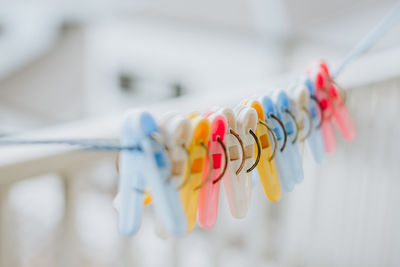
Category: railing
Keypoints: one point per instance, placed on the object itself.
(344, 213)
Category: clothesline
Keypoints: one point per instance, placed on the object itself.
(372, 38)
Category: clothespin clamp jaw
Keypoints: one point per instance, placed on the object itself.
(209, 193)
(198, 151)
(266, 167)
(287, 114)
(134, 166)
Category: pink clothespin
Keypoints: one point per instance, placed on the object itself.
(325, 104)
(209, 192)
(333, 106)
(341, 115)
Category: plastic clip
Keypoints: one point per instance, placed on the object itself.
(333, 105)
(150, 166)
(266, 168)
(194, 170)
(209, 193)
(282, 165)
(237, 181)
(177, 132)
(341, 115)
(326, 106)
(287, 114)
(315, 140)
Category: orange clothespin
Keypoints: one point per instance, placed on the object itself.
(197, 151)
(266, 167)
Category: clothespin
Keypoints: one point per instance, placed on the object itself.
(209, 192)
(240, 143)
(286, 113)
(325, 103)
(283, 166)
(266, 166)
(341, 115)
(315, 139)
(149, 166)
(198, 152)
(299, 96)
(177, 131)
(333, 106)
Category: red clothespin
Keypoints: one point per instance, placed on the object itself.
(332, 103)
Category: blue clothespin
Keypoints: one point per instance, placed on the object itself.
(283, 166)
(292, 154)
(315, 140)
(148, 166)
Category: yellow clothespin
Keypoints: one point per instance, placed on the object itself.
(266, 167)
(197, 151)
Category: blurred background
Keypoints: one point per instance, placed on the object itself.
(67, 62)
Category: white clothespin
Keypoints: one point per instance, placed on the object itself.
(312, 129)
(238, 183)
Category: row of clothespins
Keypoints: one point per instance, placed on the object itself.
(182, 160)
